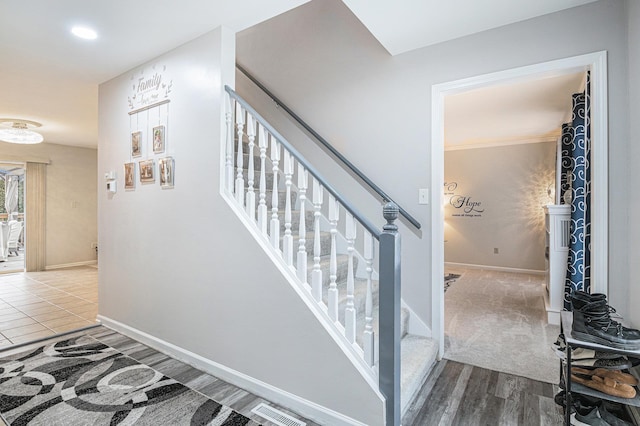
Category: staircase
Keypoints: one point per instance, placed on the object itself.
(325, 243)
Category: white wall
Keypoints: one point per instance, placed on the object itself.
(179, 265)
(376, 109)
(71, 199)
(633, 255)
(494, 199)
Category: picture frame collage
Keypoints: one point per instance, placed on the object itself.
(147, 167)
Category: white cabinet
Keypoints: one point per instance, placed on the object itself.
(557, 234)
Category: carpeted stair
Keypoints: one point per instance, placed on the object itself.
(418, 354)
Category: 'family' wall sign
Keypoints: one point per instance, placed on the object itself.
(149, 88)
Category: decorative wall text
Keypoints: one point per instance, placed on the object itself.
(149, 87)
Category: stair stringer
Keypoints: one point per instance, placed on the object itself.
(416, 325)
(334, 329)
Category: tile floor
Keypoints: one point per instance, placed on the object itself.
(13, 263)
(40, 304)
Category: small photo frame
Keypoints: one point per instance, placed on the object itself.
(146, 171)
(129, 175)
(136, 144)
(158, 139)
(166, 172)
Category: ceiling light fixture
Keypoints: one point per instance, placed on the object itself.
(84, 32)
(14, 130)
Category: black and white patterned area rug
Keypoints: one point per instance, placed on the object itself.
(450, 279)
(80, 381)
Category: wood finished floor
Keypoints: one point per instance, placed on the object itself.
(454, 393)
(212, 387)
(461, 394)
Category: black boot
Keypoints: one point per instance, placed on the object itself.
(592, 323)
(580, 298)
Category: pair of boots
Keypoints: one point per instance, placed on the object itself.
(592, 323)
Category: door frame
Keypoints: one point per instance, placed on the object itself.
(596, 63)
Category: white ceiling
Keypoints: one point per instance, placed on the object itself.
(522, 112)
(401, 26)
(48, 75)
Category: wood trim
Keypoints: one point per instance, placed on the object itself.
(148, 107)
(21, 159)
(495, 268)
(35, 213)
(71, 265)
(597, 63)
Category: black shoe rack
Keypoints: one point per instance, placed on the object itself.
(565, 368)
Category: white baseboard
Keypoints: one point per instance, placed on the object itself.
(494, 268)
(553, 315)
(71, 265)
(308, 409)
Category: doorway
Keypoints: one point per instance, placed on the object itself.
(596, 63)
(12, 217)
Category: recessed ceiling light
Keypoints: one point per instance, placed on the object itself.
(84, 32)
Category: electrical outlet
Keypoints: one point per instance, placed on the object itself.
(496, 251)
(94, 245)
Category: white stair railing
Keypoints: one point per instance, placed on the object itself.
(340, 228)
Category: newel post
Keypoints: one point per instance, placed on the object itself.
(389, 368)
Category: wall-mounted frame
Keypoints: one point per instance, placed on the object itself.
(158, 139)
(166, 167)
(146, 170)
(136, 144)
(129, 175)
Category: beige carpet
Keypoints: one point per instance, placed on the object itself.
(497, 320)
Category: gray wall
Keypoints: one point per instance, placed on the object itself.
(510, 183)
(71, 218)
(633, 255)
(179, 265)
(376, 109)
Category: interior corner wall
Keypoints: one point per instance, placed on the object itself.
(376, 108)
(493, 200)
(71, 199)
(633, 254)
(179, 265)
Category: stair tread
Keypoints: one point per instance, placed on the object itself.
(418, 355)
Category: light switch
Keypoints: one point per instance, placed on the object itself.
(423, 196)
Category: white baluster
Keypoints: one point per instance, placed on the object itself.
(240, 159)
(251, 195)
(229, 150)
(275, 221)
(302, 228)
(368, 341)
(333, 262)
(350, 310)
(316, 275)
(262, 204)
(287, 241)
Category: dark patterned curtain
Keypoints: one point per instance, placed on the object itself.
(576, 143)
(566, 163)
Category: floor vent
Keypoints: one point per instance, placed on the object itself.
(276, 416)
